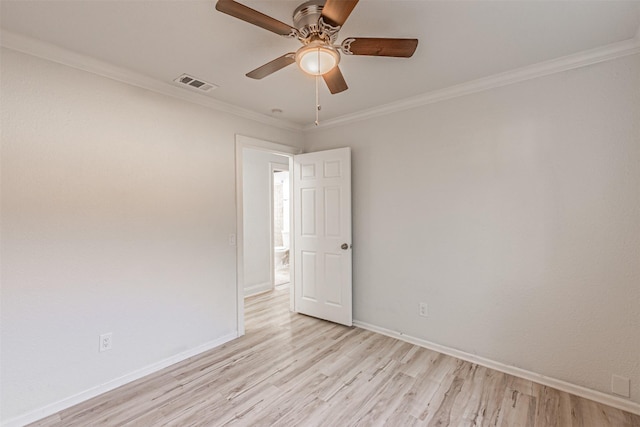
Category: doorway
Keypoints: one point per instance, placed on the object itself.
(255, 239)
(320, 261)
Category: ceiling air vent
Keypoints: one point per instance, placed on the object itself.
(201, 85)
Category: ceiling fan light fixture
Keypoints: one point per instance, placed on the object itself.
(317, 58)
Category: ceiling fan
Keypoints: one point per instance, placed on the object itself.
(316, 26)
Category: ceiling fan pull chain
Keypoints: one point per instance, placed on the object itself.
(317, 122)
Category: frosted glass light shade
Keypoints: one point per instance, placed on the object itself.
(317, 59)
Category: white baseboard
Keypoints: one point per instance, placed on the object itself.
(587, 393)
(70, 401)
(257, 289)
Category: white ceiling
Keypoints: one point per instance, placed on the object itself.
(460, 41)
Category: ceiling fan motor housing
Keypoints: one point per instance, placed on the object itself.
(307, 18)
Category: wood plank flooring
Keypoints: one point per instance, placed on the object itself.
(294, 370)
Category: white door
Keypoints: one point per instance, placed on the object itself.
(322, 237)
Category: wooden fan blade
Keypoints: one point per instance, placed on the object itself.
(399, 48)
(273, 66)
(254, 17)
(335, 81)
(336, 12)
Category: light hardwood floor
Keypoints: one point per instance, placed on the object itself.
(293, 370)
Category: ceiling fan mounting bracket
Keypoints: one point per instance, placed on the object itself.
(294, 34)
(328, 31)
(345, 47)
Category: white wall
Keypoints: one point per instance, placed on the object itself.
(257, 218)
(515, 214)
(117, 205)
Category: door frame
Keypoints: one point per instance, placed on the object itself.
(243, 142)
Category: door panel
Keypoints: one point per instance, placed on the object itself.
(322, 206)
(308, 212)
(308, 270)
(332, 212)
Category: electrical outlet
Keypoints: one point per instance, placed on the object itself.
(620, 385)
(232, 239)
(106, 341)
(423, 309)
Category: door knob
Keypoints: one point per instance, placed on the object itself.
(344, 246)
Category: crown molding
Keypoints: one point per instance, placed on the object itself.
(570, 62)
(66, 57)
